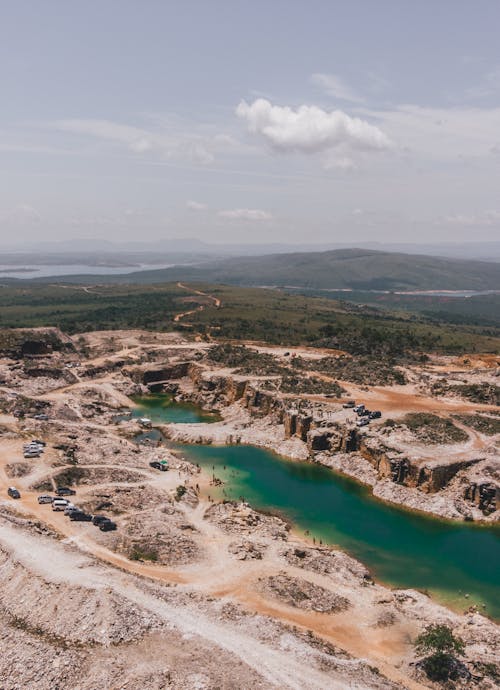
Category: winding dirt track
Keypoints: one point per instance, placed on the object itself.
(201, 307)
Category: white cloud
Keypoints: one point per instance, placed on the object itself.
(489, 218)
(21, 215)
(334, 86)
(196, 206)
(489, 85)
(309, 129)
(161, 139)
(245, 214)
(344, 163)
(135, 138)
(441, 133)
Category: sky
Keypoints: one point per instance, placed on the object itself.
(263, 121)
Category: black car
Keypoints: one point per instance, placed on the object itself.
(80, 516)
(13, 492)
(107, 526)
(99, 519)
(162, 466)
(376, 414)
(65, 491)
(364, 413)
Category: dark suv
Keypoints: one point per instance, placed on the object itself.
(13, 492)
(107, 526)
(65, 491)
(99, 519)
(80, 516)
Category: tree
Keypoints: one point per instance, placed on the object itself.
(442, 647)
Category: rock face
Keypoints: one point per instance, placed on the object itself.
(25, 342)
(428, 477)
(155, 373)
(483, 495)
(325, 429)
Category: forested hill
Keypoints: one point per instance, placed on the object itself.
(361, 269)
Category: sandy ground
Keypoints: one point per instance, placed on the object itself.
(186, 597)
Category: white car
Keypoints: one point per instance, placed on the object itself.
(45, 498)
(59, 504)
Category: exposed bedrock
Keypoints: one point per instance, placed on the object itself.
(484, 495)
(26, 342)
(429, 477)
(314, 427)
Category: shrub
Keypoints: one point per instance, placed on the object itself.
(441, 663)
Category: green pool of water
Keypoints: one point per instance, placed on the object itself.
(160, 407)
(399, 547)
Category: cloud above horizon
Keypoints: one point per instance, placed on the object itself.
(253, 214)
(309, 129)
(334, 86)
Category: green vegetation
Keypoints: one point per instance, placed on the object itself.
(442, 647)
(179, 492)
(362, 269)
(429, 428)
(485, 393)
(485, 425)
(477, 310)
(77, 309)
(142, 553)
(364, 370)
(310, 385)
(271, 316)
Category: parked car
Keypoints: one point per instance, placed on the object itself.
(59, 504)
(363, 421)
(45, 498)
(349, 404)
(107, 526)
(28, 454)
(376, 414)
(65, 491)
(99, 519)
(41, 417)
(358, 408)
(364, 413)
(13, 492)
(80, 516)
(70, 508)
(157, 465)
(38, 442)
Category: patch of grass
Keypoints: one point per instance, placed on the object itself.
(142, 553)
(485, 393)
(485, 425)
(429, 428)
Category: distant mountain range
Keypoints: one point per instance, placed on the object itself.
(361, 269)
(164, 251)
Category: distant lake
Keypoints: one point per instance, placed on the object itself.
(30, 272)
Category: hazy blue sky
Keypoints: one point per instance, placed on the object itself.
(276, 120)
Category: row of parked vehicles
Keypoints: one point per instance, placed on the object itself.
(365, 415)
(72, 511)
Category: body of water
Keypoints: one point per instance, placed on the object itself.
(402, 548)
(162, 408)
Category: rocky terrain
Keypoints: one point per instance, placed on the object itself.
(188, 593)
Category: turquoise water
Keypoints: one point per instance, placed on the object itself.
(161, 408)
(399, 547)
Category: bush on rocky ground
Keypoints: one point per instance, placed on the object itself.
(428, 428)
